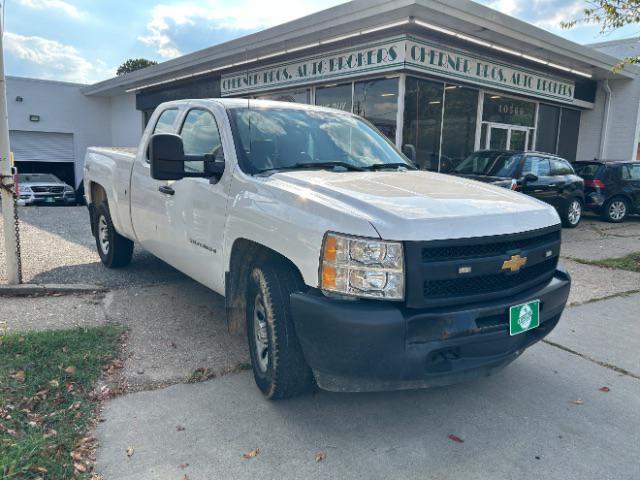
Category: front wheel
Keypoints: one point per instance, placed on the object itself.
(615, 210)
(279, 368)
(115, 250)
(572, 214)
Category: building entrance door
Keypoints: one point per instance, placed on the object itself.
(506, 137)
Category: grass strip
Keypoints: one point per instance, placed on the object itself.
(629, 262)
(47, 402)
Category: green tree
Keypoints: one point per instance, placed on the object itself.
(610, 15)
(134, 64)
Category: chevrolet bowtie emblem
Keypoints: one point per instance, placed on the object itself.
(515, 263)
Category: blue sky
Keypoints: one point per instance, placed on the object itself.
(86, 40)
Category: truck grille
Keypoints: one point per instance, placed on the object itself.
(456, 272)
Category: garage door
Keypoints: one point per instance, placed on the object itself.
(41, 146)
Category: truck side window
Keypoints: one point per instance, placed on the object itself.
(539, 166)
(200, 136)
(164, 124)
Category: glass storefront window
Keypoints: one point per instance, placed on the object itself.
(377, 101)
(508, 111)
(423, 120)
(295, 96)
(458, 125)
(569, 130)
(548, 122)
(335, 96)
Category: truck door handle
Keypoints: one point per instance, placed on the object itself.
(166, 189)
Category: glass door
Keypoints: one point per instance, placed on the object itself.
(503, 137)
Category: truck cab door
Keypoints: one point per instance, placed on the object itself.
(148, 213)
(197, 207)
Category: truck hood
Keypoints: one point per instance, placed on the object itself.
(418, 205)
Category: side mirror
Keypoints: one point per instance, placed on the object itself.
(410, 152)
(166, 154)
(530, 177)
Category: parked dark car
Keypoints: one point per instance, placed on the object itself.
(547, 177)
(612, 189)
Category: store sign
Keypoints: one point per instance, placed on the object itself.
(405, 52)
(345, 63)
(464, 66)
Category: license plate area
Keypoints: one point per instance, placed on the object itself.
(524, 317)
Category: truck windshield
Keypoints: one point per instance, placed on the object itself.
(494, 164)
(271, 139)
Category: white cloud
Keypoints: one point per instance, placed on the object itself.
(61, 5)
(557, 15)
(238, 15)
(508, 7)
(55, 60)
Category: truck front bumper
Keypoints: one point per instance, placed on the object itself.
(355, 346)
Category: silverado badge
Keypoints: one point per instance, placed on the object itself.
(515, 263)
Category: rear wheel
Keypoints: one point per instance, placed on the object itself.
(572, 214)
(115, 250)
(279, 368)
(615, 210)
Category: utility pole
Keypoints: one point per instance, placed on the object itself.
(8, 205)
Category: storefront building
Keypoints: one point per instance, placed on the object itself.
(441, 78)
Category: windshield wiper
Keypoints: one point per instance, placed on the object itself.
(380, 166)
(300, 166)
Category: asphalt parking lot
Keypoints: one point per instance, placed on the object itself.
(543, 417)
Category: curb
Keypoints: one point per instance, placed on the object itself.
(44, 289)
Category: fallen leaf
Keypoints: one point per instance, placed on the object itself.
(183, 465)
(70, 370)
(129, 451)
(54, 383)
(455, 438)
(252, 453)
(81, 467)
(76, 455)
(173, 344)
(320, 456)
(19, 375)
(180, 428)
(185, 477)
(578, 402)
(38, 469)
(605, 389)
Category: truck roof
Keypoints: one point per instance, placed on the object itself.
(244, 102)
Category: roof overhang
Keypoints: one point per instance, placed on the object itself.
(463, 19)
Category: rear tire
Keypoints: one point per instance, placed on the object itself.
(115, 250)
(279, 367)
(615, 210)
(572, 214)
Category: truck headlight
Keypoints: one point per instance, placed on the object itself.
(23, 189)
(362, 267)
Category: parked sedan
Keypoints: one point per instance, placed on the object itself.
(612, 189)
(543, 176)
(44, 188)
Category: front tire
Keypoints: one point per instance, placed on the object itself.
(279, 368)
(615, 210)
(115, 250)
(572, 214)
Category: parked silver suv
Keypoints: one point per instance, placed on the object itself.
(44, 188)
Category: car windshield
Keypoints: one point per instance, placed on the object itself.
(37, 178)
(587, 170)
(495, 164)
(271, 139)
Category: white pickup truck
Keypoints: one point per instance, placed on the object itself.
(345, 266)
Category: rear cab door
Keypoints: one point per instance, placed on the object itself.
(148, 213)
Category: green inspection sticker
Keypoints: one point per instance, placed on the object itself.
(524, 317)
